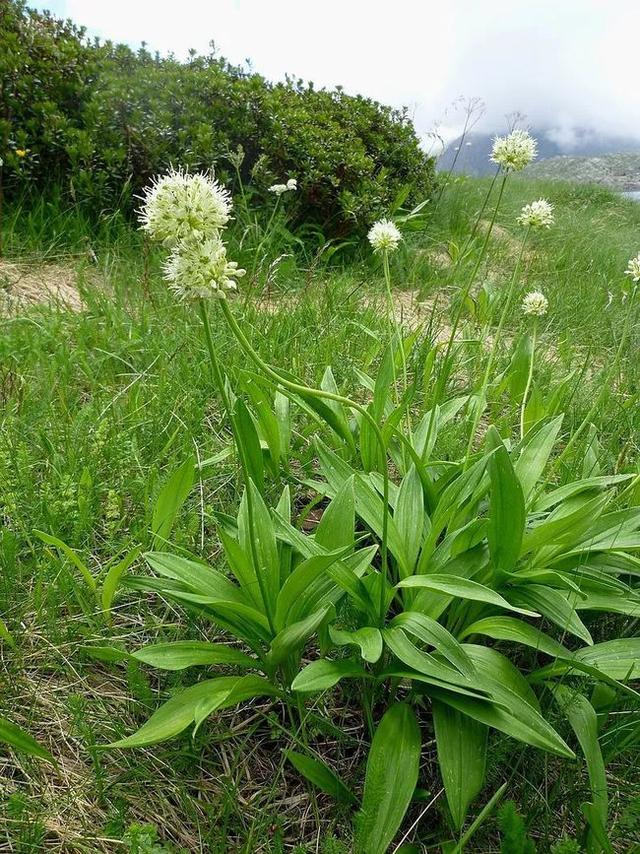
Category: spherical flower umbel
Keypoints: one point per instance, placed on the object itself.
(535, 303)
(633, 270)
(537, 214)
(515, 151)
(199, 269)
(384, 236)
(178, 206)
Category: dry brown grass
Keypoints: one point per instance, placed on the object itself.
(27, 283)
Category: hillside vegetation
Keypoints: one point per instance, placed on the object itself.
(95, 121)
(104, 405)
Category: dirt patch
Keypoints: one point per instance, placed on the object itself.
(411, 311)
(23, 284)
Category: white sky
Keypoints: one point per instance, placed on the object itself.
(563, 63)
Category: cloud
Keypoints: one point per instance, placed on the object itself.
(566, 65)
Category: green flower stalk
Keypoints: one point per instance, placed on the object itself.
(302, 390)
(385, 238)
(536, 305)
(479, 407)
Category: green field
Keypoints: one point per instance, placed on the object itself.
(103, 403)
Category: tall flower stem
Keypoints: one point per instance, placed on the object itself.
(300, 389)
(478, 409)
(468, 286)
(527, 387)
(265, 235)
(604, 388)
(444, 372)
(395, 328)
(224, 395)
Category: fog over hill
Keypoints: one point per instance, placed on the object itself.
(470, 155)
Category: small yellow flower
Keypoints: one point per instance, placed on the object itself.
(21, 152)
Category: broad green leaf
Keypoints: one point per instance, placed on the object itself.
(463, 588)
(506, 513)
(619, 658)
(390, 779)
(248, 441)
(323, 674)
(409, 518)
(6, 635)
(462, 749)
(512, 629)
(368, 639)
(293, 637)
(268, 569)
(113, 576)
(182, 654)
(241, 566)
(243, 620)
(562, 493)
(423, 662)
(337, 525)
(555, 605)
(69, 553)
(321, 776)
(244, 688)
(565, 525)
(197, 577)
(305, 586)
(265, 417)
(20, 740)
(597, 830)
(177, 713)
(518, 370)
(171, 498)
(535, 453)
(430, 631)
(531, 729)
(584, 722)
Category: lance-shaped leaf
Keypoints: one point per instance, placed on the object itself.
(462, 750)
(506, 512)
(390, 780)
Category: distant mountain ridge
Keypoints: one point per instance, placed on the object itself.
(616, 171)
(471, 155)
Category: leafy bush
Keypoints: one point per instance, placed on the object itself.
(103, 119)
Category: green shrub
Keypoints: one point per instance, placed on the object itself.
(101, 119)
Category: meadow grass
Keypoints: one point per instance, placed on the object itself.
(100, 406)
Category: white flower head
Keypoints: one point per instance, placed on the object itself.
(537, 214)
(278, 189)
(515, 151)
(535, 303)
(384, 236)
(199, 269)
(633, 270)
(292, 184)
(178, 206)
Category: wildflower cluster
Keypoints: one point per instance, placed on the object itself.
(537, 214)
(186, 213)
(633, 269)
(384, 236)
(535, 303)
(279, 189)
(515, 151)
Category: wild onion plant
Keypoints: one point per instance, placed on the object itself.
(426, 577)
